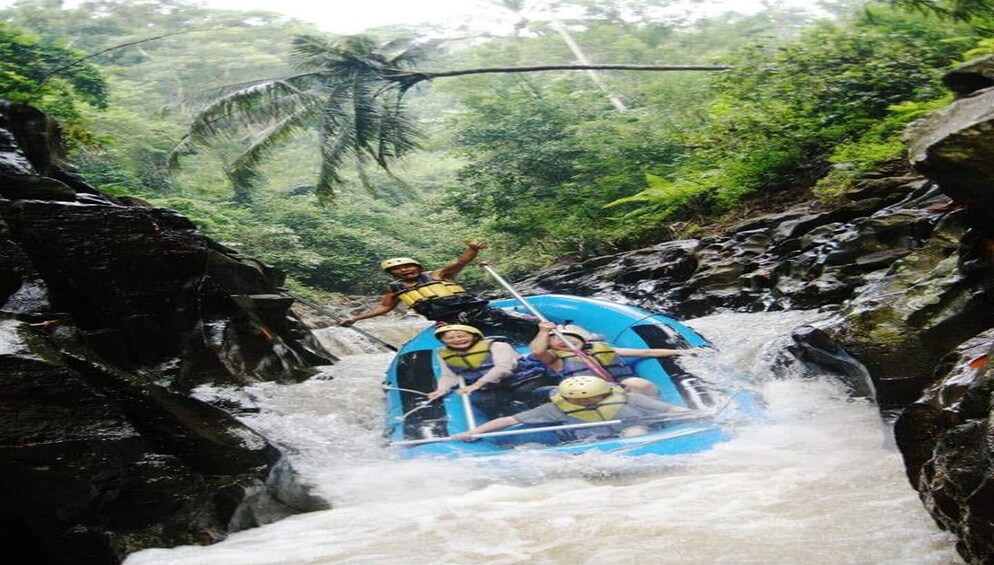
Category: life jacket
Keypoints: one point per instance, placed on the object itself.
(471, 363)
(528, 369)
(600, 352)
(603, 411)
(428, 287)
(474, 362)
(434, 298)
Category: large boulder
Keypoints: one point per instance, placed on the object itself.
(953, 147)
(922, 307)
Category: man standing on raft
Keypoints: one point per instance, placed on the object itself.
(436, 296)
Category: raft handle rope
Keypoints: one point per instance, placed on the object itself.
(423, 404)
(679, 418)
(411, 390)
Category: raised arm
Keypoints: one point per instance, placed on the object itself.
(388, 303)
(472, 250)
(539, 345)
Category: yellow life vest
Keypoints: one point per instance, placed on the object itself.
(603, 411)
(600, 352)
(429, 287)
(473, 357)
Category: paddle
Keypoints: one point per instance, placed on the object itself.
(678, 418)
(590, 362)
(467, 405)
(327, 313)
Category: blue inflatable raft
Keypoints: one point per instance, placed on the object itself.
(423, 429)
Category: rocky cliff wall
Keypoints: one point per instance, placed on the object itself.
(110, 311)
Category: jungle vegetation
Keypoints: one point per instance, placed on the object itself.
(546, 166)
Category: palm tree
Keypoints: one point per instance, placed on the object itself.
(352, 92)
(341, 91)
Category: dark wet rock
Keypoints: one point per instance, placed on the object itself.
(99, 463)
(947, 442)
(800, 258)
(901, 324)
(971, 76)
(952, 147)
(814, 352)
(34, 188)
(111, 311)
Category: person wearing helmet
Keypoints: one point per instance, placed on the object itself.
(563, 360)
(587, 399)
(436, 296)
(487, 367)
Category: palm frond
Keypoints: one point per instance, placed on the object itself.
(351, 89)
(252, 104)
(267, 139)
(338, 140)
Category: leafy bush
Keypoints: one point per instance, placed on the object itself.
(50, 78)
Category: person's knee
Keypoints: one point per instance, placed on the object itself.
(640, 386)
(634, 431)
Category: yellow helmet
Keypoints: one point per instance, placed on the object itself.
(388, 264)
(583, 387)
(470, 329)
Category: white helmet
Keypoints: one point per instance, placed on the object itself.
(574, 330)
(388, 264)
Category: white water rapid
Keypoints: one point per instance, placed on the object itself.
(818, 481)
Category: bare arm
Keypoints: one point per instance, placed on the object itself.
(388, 303)
(449, 271)
(491, 426)
(539, 345)
(446, 381)
(629, 352)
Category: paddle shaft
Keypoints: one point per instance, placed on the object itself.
(555, 428)
(591, 363)
(327, 313)
(467, 406)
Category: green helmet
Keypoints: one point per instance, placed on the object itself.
(583, 386)
(388, 264)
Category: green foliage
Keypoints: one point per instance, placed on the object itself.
(45, 75)
(977, 12)
(984, 47)
(547, 156)
(781, 117)
(540, 166)
(878, 146)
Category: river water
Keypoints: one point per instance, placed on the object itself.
(817, 481)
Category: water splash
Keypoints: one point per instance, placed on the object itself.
(816, 482)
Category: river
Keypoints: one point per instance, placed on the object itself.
(816, 481)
